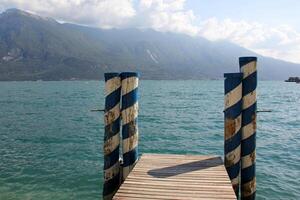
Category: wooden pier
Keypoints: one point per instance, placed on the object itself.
(167, 176)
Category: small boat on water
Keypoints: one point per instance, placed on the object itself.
(293, 79)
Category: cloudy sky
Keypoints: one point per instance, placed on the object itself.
(268, 27)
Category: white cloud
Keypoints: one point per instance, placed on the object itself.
(161, 15)
(101, 13)
(166, 15)
(281, 42)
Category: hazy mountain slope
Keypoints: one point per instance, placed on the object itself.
(33, 47)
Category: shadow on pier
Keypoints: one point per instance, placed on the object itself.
(185, 168)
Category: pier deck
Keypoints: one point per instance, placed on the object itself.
(167, 176)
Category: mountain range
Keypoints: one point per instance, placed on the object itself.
(40, 48)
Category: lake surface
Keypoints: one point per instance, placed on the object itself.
(51, 144)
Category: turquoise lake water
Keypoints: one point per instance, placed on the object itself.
(51, 144)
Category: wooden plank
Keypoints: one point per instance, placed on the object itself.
(168, 176)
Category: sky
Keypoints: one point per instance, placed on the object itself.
(268, 27)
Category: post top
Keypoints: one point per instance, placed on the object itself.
(233, 75)
(129, 74)
(247, 59)
(111, 75)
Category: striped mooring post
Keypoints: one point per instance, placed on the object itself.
(129, 112)
(232, 127)
(248, 143)
(111, 145)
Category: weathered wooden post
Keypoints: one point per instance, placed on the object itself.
(129, 121)
(248, 144)
(112, 135)
(232, 127)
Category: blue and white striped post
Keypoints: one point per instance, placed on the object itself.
(111, 145)
(248, 144)
(232, 127)
(129, 114)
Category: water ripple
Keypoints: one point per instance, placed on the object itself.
(51, 145)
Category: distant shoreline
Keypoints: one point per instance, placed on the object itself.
(75, 79)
